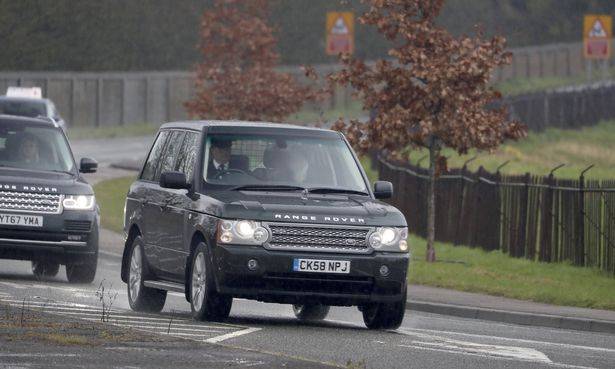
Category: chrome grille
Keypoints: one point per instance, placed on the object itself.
(318, 238)
(30, 202)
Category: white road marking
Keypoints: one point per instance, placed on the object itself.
(521, 353)
(225, 337)
(411, 332)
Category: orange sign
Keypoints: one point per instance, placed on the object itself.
(597, 35)
(340, 33)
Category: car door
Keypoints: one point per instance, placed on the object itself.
(178, 201)
(170, 220)
(149, 198)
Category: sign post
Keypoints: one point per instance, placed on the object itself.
(597, 36)
(340, 33)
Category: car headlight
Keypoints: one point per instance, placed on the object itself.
(79, 202)
(389, 239)
(242, 232)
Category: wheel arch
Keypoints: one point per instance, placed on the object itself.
(133, 233)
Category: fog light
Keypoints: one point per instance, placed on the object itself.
(403, 245)
(384, 270)
(252, 264)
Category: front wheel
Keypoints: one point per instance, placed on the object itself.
(42, 268)
(384, 315)
(83, 271)
(142, 298)
(311, 312)
(205, 302)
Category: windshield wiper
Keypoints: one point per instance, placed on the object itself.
(324, 190)
(265, 187)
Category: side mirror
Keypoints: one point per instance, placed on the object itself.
(383, 190)
(174, 180)
(88, 165)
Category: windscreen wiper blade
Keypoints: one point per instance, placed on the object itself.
(324, 190)
(265, 187)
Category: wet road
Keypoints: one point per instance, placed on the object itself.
(423, 341)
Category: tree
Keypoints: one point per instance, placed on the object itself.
(434, 92)
(237, 79)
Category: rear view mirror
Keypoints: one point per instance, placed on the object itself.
(88, 165)
(383, 190)
(174, 180)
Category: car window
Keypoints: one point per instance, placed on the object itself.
(26, 108)
(149, 170)
(34, 147)
(170, 152)
(187, 155)
(236, 160)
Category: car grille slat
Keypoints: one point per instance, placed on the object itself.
(77, 225)
(318, 238)
(30, 202)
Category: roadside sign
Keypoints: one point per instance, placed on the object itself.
(340, 33)
(597, 35)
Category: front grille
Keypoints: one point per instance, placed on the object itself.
(318, 238)
(30, 202)
(77, 225)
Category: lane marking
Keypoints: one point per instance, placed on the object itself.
(228, 336)
(409, 332)
(521, 353)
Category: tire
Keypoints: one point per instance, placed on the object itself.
(384, 315)
(42, 268)
(142, 298)
(311, 312)
(83, 271)
(205, 302)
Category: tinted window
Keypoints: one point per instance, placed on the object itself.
(170, 152)
(34, 147)
(187, 155)
(26, 108)
(149, 170)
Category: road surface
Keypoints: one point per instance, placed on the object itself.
(423, 341)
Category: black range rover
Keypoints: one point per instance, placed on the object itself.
(271, 212)
(48, 213)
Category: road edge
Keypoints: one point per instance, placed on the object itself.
(513, 317)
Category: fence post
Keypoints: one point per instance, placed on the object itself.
(520, 249)
(546, 241)
(581, 253)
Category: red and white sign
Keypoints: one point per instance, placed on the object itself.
(597, 36)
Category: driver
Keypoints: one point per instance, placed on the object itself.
(219, 158)
(29, 151)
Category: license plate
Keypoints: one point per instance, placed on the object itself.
(21, 220)
(321, 266)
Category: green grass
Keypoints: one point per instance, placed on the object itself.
(137, 129)
(111, 195)
(520, 86)
(494, 273)
(541, 152)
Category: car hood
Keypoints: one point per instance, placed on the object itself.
(22, 180)
(293, 207)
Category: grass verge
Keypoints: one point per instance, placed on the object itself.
(111, 196)
(495, 273)
(541, 152)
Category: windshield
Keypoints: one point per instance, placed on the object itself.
(34, 147)
(270, 160)
(24, 108)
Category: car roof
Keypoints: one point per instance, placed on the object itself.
(17, 119)
(201, 124)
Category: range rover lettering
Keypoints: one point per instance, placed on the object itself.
(48, 213)
(270, 212)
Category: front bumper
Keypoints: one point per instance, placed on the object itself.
(275, 281)
(63, 238)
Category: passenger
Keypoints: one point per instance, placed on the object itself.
(29, 151)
